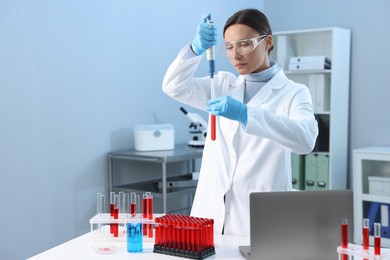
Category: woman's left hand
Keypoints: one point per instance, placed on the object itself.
(228, 107)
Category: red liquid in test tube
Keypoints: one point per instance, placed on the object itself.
(116, 215)
(366, 235)
(112, 205)
(344, 237)
(133, 203)
(213, 127)
(150, 213)
(144, 213)
(377, 238)
(116, 228)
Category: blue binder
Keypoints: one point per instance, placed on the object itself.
(373, 215)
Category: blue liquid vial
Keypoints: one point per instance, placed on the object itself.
(134, 237)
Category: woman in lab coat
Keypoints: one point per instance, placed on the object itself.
(262, 117)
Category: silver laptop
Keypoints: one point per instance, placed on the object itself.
(298, 225)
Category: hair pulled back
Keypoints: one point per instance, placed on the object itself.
(252, 18)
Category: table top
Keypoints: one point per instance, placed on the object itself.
(226, 247)
(181, 152)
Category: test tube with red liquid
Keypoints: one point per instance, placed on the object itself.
(377, 238)
(366, 234)
(112, 194)
(344, 237)
(133, 203)
(213, 126)
(116, 215)
(211, 61)
(112, 205)
(144, 213)
(150, 213)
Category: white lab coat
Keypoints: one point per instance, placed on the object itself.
(244, 159)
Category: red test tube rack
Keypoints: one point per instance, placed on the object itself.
(184, 236)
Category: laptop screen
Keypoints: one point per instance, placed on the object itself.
(304, 225)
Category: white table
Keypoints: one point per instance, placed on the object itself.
(226, 247)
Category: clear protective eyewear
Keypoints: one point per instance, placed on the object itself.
(242, 47)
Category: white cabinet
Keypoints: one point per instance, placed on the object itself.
(371, 187)
(330, 94)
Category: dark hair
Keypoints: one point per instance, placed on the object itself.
(252, 18)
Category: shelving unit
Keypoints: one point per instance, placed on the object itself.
(332, 113)
(371, 186)
(181, 153)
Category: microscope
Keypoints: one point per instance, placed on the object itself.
(198, 128)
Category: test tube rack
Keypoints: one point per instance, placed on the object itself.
(102, 238)
(357, 252)
(184, 236)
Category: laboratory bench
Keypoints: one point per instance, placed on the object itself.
(226, 247)
(163, 188)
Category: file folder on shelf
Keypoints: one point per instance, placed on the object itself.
(322, 172)
(297, 168)
(309, 63)
(310, 59)
(373, 215)
(317, 172)
(310, 172)
(319, 87)
(308, 66)
(385, 232)
(379, 212)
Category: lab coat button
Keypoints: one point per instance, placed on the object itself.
(228, 216)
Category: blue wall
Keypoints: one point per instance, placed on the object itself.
(75, 77)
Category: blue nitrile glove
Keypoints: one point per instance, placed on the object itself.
(228, 107)
(206, 36)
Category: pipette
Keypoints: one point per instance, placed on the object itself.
(211, 61)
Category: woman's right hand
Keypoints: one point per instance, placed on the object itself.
(206, 36)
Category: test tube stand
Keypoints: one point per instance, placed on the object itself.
(353, 251)
(184, 236)
(103, 241)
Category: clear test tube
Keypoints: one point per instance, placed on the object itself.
(100, 207)
(121, 201)
(138, 205)
(112, 203)
(366, 233)
(377, 238)
(99, 204)
(127, 203)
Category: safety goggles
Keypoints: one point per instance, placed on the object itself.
(242, 47)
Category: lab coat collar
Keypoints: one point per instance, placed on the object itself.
(238, 88)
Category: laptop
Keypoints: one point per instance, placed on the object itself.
(298, 225)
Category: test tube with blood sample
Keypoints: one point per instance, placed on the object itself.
(366, 234)
(150, 213)
(344, 237)
(133, 203)
(377, 238)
